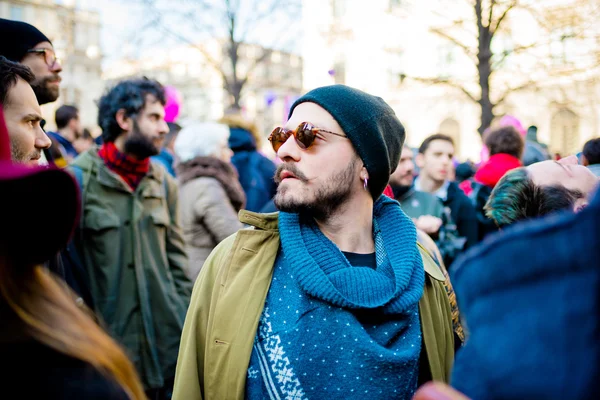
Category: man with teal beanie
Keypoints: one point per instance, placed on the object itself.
(332, 297)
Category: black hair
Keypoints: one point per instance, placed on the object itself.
(174, 129)
(505, 140)
(129, 95)
(516, 197)
(10, 72)
(591, 151)
(437, 136)
(64, 115)
(86, 134)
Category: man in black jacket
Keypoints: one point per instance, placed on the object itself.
(31, 48)
(435, 161)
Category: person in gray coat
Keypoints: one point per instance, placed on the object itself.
(210, 194)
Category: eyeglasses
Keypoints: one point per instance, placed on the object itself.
(49, 56)
(304, 135)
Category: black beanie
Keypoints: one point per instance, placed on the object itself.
(17, 37)
(370, 124)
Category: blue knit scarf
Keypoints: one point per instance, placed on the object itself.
(332, 330)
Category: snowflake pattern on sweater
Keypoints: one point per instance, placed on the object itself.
(306, 349)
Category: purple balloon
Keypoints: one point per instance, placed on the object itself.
(270, 97)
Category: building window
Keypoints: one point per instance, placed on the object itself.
(405, 5)
(339, 72)
(451, 127)
(445, 60)
(276, 57)
(564, 134)
(395, 4)
(16, 13)
(338, 8)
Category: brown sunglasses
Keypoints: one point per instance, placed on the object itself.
(304, 135)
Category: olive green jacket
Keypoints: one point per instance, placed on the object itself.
(228, 300)
(132, 246)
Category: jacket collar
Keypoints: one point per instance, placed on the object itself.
(266, 222)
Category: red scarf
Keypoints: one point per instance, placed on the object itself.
(130, 169)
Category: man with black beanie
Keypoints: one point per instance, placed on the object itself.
(331, 297)
(24, 43)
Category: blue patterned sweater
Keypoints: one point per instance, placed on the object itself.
(336, 331)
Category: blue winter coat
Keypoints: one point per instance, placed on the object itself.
(529, 296)
(256, 171)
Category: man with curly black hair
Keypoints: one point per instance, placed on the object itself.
(131, 241)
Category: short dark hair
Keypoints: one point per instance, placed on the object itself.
(129, 95)
(86, 134)
(64, 115)
(10, 72)
(438, 136)
(591, 151)
(516, 197)
(174, 129)
(505, 140)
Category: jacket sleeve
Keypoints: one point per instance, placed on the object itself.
(468, 226)
(176, 254)
(189, 375)
(216, 212)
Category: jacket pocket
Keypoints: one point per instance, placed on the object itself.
(102, 232)
(100, 220)
(160, 217)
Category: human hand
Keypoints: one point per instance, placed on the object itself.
(428, 224)
(438, 391)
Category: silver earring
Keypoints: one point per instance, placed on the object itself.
(366, 182)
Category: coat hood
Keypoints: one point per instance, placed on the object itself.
(494, 169)
(244, 134)
(241, 139)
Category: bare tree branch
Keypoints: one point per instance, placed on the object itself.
(505, 54)
(466, 49)
(275, 6)
(509, 91)
(495, 28)
(437, 81)
(491, 13)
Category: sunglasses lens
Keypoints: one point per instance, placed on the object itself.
(278, 137)
(305, 135)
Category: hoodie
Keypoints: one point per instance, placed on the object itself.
(256, 171)
(494, 169)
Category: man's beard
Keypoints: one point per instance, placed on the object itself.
(139, 145)
(333, 193)
(43, 92)
(20, 157)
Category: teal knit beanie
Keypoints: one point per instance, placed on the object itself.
(370, 124)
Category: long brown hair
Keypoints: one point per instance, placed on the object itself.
(47, 313)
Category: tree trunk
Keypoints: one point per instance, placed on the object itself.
(484, 69)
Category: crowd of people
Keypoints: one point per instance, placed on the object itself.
(160, 261)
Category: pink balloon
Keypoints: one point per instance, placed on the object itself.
(509, 120)
(173, 105)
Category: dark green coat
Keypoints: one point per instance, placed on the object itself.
(132, 246)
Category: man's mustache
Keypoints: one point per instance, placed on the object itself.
(46, 79)
(290, 167)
